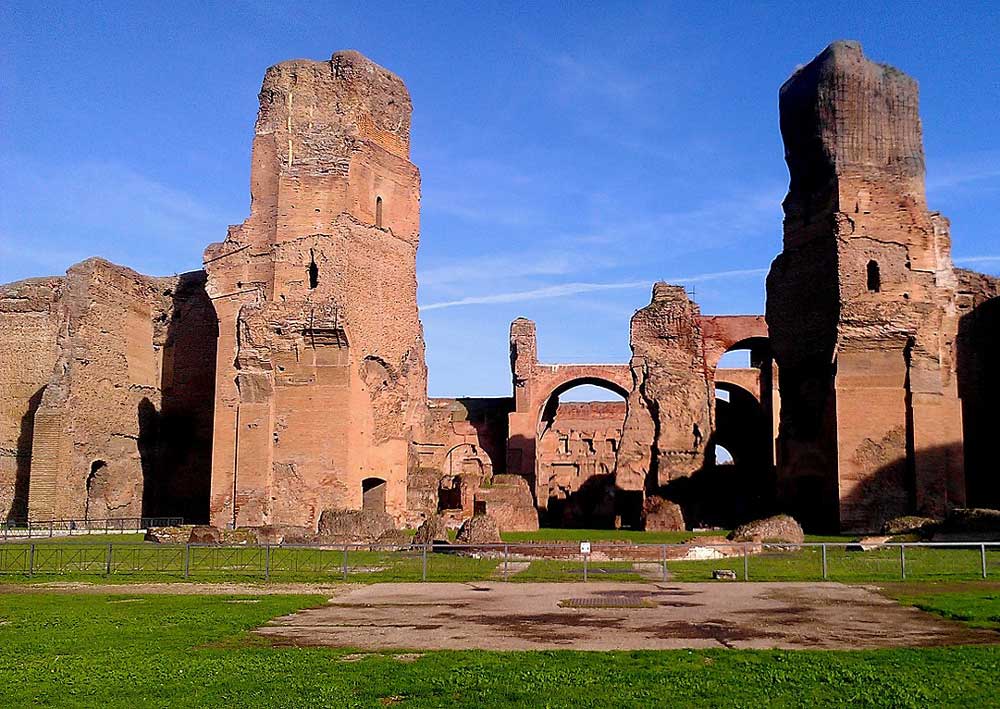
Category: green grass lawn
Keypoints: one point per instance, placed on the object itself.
(162, 562)
(129, 538)
(977, 605)
(554, 534)
(194, 651)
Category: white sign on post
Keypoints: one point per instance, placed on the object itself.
(585, 548)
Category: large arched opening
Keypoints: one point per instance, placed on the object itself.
(740, 471)
(736, 482)
(578, 434)
(979, 389)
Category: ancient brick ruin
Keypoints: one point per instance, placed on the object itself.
(287, 378)
(863, 304)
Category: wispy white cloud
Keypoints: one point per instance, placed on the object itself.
(52, 260)
(475, 269)
(55, 214)
(708, 224)
(602, 78)
(568, 289)
(972, 260)
(613, 239)
(960, 171)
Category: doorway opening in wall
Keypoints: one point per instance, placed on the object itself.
(450, 493)
(373, 495)
(577, 442)
(874, 277)
(93, 483)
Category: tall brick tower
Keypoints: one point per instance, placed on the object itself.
(861, 304)
(321, 377)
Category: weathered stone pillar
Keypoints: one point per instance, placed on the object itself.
(321, 382)
(861, 304)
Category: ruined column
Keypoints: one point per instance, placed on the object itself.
(860, 304)
(523, 420)
(321, 378)
(668, 423)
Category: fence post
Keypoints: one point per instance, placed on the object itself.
(902, 561)
(663, 560)
(50, 529)
(746, 562)
(424, 571)
(267, 562)
(506, 556)
(344, 568)
(824, 562)
(982, 550)
(31, 561)
(107, 561)
(187, 560)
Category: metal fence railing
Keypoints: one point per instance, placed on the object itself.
(75, 527)
(509, 562)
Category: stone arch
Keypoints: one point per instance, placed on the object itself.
(466, 468)
(576, 451)
(741, 425)
(759, 381)
(573, 382)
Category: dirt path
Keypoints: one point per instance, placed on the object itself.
(608, 616)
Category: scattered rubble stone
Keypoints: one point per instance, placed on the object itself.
(205, 534)
(909, 524)
(508, 500)
(354, 525)
(433, 530)
(481, 529)
(169, 535)
(284, 534)
(779, 528)
(663, 515)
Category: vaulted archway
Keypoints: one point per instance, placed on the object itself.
(578, 434)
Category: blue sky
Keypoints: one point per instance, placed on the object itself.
(572, 153)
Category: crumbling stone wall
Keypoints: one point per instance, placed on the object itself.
(97, 448)
(84, 361)
(93, 427)
(669, 419)
(861, 303)
(29, 323)
(463, 449)
(288, 378)
(321, 382)
(186, 329)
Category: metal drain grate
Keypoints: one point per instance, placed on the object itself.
(608, 602)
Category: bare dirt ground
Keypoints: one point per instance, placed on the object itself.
(608, 616)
